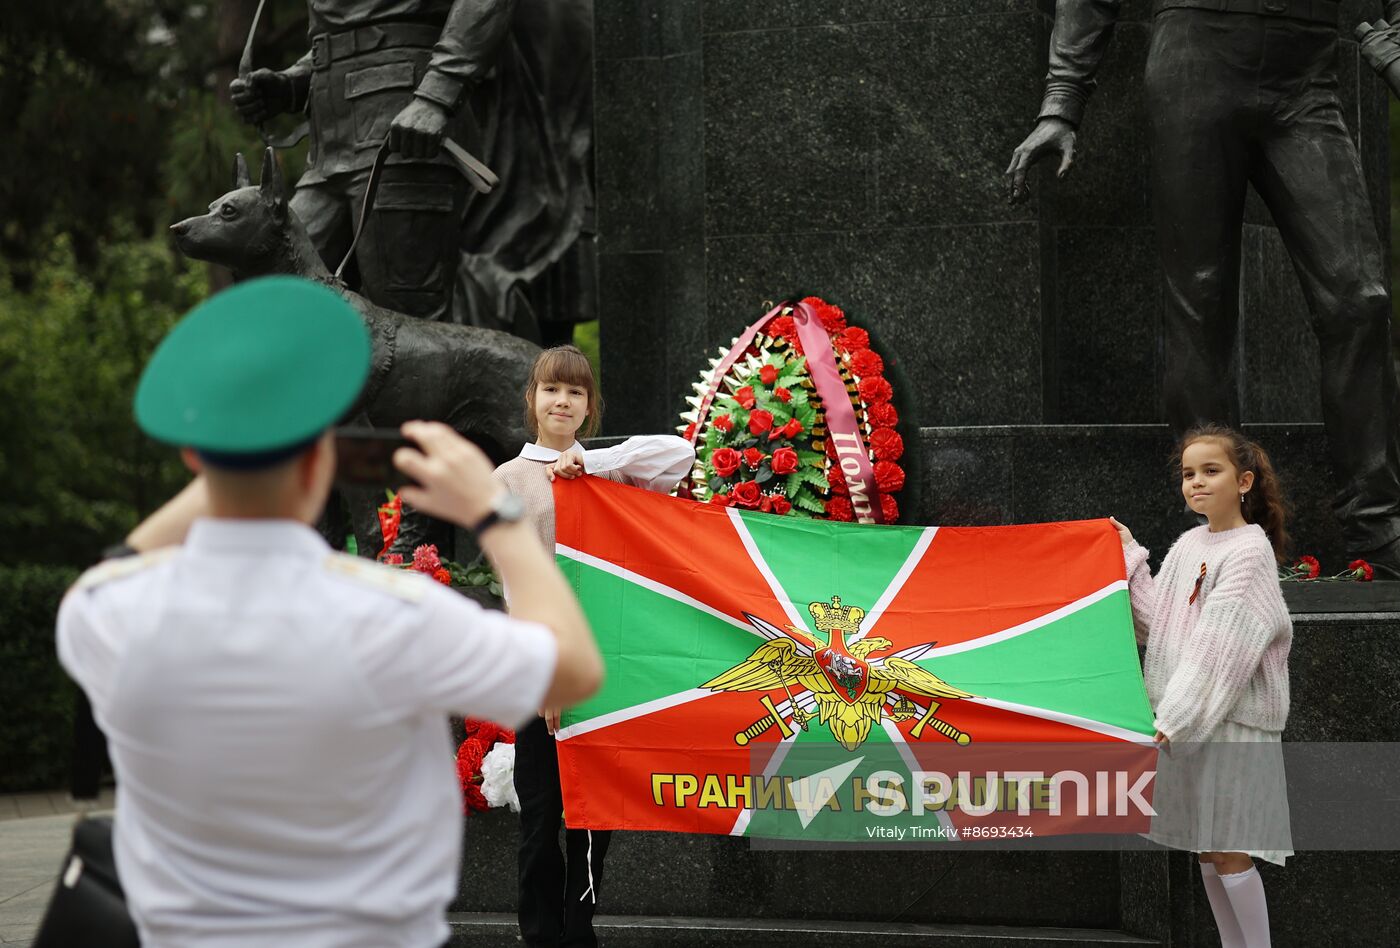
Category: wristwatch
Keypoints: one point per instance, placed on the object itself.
(506, 508)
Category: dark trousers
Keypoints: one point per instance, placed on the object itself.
(1238, 99)
(407, 255)
(558, 891)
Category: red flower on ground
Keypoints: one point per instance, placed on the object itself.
(725, 461)
(889, 508)
(724, 423)
(721, 500)
(784, 461)
(393, 559)
(1309, 565)
(1361, 571)
(866, 364)
(836, 478)
(744, 397)
(426, 559)
(854, 338)
(781, 504)
(886, 444)
(875, 390)
(747, 494)
(768, 374)
(760, 421)
(889, 477)
(753, 458)
(469, 757)
(839, 508)
(390, 515)
(443, 575)
(882, 415)
(782, 394)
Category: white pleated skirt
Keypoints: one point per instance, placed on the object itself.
(1228, 795)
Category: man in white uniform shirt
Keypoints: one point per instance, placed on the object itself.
(276, 712)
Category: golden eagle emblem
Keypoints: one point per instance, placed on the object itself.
(851, 689)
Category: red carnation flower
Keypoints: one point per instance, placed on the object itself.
(836, 478)
(753, 458)
(747, 494)
(830, 448)
(745, 397)
(1309, 565)
(443, 575)
(393, 559)
(784, 461)
(866, 364)
(724, 423)
(1361, 570)
(875, 390)
(889, 508)
(768, 374)
(783, 327)
(882, 415)
(390, 515)
(426, 559)
(725, 461)
(839, 508)
(886, 444)
(760, 421)
(833, 320)
(781, 504)
(689, 431)
(853, 338)
(721, 500)
(889, 477)
(782, 394)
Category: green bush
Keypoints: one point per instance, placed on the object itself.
(36, 696)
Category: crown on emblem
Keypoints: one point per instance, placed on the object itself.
(833, 617)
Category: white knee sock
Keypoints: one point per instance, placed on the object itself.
(1230, 934)
(1245, 891)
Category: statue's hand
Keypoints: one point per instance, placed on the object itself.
(260, 95)
(1377, 46)
(1049, 134)
(417, 131)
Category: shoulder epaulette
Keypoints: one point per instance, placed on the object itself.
(109, 570)
(395, 582)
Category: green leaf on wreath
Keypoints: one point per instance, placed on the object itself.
(807, 415)
(809, 502)
(811, 458)
(764, 475)
(805, 475)
(716, 485)
(799, 399)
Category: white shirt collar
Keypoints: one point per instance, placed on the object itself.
(538, 452)
(212, 535)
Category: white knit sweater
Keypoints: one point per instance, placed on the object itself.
(1225, 656)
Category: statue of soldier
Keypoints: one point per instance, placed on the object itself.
(1245, 92)
(400, 69)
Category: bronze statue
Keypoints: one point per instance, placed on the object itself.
(400, 69)
(1244, 92)
(467, 377)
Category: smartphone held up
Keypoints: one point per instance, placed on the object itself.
(364, 457)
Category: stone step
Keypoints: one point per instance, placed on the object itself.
(726, 877)
(487, 930)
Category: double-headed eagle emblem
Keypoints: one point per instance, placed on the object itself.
(851, 690)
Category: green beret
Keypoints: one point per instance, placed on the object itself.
(262, 366)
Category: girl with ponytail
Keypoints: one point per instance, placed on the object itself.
(1216, 667)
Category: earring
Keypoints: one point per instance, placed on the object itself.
(1242, 493)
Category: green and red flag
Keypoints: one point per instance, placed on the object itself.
(780, 677)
